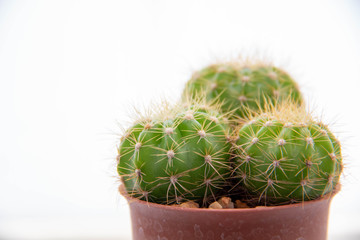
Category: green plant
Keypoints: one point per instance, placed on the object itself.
(181, 153)
(243, 86)
(283, 155)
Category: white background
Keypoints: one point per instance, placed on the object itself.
(70, 70)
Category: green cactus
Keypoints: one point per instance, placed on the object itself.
(283, 155)
(243, 87)
(181, 154)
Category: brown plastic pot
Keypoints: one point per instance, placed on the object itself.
(307, 220)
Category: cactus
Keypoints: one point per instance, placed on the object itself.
(284, 155)
(180, 154)
(243, 87)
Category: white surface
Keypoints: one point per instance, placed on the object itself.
(69, 70)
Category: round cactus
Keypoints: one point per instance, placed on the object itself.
(243, 87)
(183, 154)
(285, 156)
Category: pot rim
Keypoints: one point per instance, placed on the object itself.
(327, 197)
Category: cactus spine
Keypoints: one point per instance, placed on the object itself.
(243, 87)
(283, 155)
(182, 153)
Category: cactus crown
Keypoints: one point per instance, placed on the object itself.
(239, 85)
(286, 111)
(284, 155)
(177, 153)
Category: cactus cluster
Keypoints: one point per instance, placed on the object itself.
(271, 148)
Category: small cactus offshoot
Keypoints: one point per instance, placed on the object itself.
(177, 155)
(243, 86)
(283, 155)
